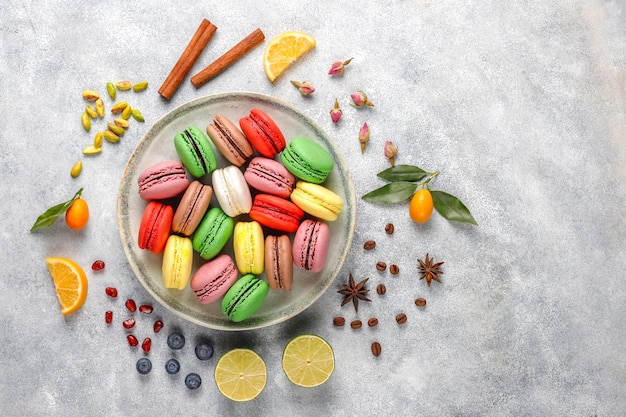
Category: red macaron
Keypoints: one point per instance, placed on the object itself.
(263, 133)
(276, 213)
(155, 226)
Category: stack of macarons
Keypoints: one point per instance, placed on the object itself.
(269, 200)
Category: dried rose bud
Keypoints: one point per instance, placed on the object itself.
(360, 99)
(304, 87)
(364, 136)
(336, 112)
(338, 67)
(391, 151)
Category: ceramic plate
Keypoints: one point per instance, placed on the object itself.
(158, 145)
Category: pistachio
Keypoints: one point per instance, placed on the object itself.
(140, 86)
(91, 95)
(111, 137)
(91, 150)
(97, 141)
(119, 131)
(121, 122)
(91, 111)
(137, 115)
(119, 107)
(76, 169)
(123, 85)
(127, 112)
(111, 90)
(100, 107)
(84, 118)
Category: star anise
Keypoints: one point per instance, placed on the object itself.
(429, 270)
(354, 292)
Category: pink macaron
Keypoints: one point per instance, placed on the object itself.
(164, 180)
(269, 176)
(310, 245)
(214, 278)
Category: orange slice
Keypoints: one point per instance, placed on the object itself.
(70, 282)
(284, 50)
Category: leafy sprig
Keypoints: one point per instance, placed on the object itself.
(49, 216)
(404, 181)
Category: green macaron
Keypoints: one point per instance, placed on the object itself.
(212, 233)
(195, 151)
(244, 297)
(307, 160)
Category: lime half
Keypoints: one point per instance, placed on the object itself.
(240, 374)
(308, 360)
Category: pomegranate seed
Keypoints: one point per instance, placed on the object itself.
(147, 342)
(130, 305)
(97, 265)
(111, 292)
(108, 317)
(145, 308)
(132, 340)
(158, 325)
(129, 323)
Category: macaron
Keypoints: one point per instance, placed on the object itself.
(269, 176)
(310, 245)
(192, 208)
(229, 140)
(164, 180)
(231, 190)
(307, 160)
(249, 247)
(213, 279)
(177, 262)
(195, 151)
(276, 213)
(213, 232)
(317, 200)
(244, 297)
(263, 133)
(278, 262)
(154, 229)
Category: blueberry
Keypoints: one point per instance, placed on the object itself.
(204, 351)
(175, 341)
(144, 366)
(193, 381)
(172, 366)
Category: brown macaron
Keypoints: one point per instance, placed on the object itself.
(192, 208)
(229, 140)
(278, 262)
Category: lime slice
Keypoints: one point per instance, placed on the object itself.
(240, 374)
(308, 360)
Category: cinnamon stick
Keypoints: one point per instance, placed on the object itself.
(190, 55)
(229, 58)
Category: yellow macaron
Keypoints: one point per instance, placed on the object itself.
(177, 262)
(249, 247)
(317, 200)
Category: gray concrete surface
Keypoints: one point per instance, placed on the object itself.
(520, 105)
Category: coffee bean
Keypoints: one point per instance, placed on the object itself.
(394, 269)
(339, 321)
(376, 349)
(401, 318)
(356, 324)
(369, 245)
(381, 289)
(381, 266)
(420, 302)
(389, 228)
(373, 322)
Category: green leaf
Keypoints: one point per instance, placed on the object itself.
(50, 215)
(403, 173)
(452, 208)
(391, 193)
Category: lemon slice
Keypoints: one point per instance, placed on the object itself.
(284, 50)
(70, 282)
(240, 374)
(308, 360)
